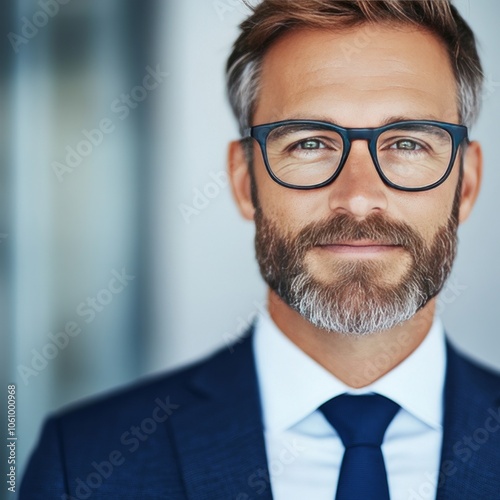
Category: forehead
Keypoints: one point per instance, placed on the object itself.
(358, 77)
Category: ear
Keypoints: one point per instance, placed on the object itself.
(239, 177)
(473, 171)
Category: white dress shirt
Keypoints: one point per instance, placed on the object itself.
(304, 452)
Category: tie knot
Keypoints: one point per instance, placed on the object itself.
(360, 420)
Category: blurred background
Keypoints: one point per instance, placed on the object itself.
(121, 251)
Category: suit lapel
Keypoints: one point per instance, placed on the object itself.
(470, 456)
(219, 434)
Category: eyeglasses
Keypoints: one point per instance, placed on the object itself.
(412, 155)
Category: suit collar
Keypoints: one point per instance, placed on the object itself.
(219, 433)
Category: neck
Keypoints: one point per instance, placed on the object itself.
(355, 360)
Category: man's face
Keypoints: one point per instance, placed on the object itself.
(356, 256)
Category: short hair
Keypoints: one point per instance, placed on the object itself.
(271, 19)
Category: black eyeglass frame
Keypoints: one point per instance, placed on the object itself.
(458, 134)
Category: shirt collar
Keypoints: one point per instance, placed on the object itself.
(293, 385)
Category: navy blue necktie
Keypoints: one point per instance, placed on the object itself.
(361, 422)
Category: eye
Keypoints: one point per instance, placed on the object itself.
(406, 145)
(311, 144)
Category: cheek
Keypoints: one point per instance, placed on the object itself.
(426, 212)
(292, 209)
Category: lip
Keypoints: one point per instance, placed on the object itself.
(360, 247)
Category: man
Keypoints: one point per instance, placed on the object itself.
(355, 165)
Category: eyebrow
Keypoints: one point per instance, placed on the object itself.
(386, 121)
(403, 118)
(280, 132)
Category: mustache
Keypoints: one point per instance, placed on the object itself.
(343, 228)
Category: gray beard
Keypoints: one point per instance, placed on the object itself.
(355, 311)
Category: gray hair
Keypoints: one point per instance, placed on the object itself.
(272, 18)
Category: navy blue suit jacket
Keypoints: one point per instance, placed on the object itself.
(197, 434)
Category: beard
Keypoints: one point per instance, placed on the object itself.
(356, 297)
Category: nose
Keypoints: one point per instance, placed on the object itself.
(358, 189)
